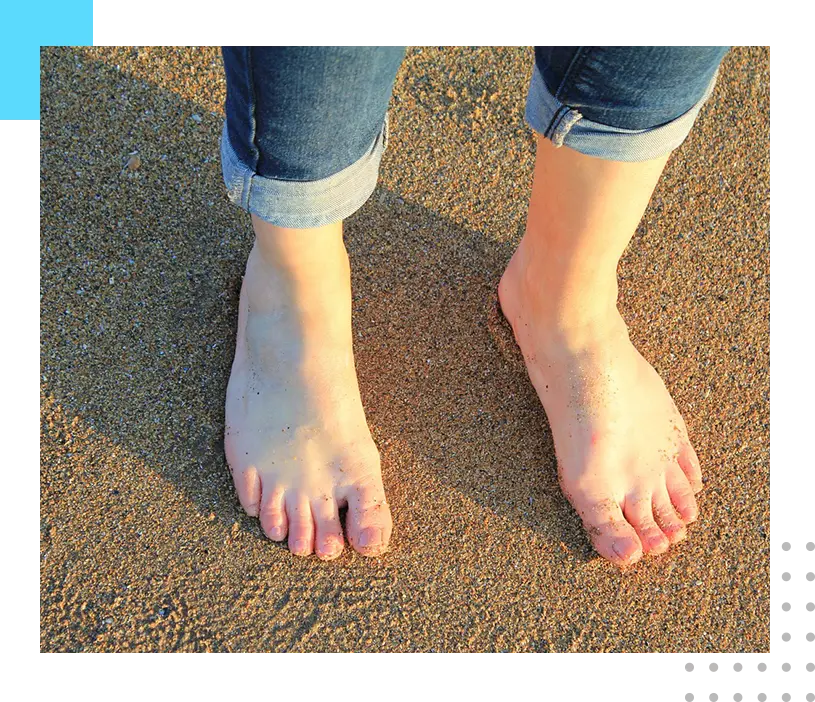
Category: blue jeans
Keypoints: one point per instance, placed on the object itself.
(306, 126)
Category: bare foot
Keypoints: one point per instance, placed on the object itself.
(297, 441)
(624, 458)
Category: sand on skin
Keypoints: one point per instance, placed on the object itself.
(143, 544)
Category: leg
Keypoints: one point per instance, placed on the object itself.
(624, 458)
(301, 150)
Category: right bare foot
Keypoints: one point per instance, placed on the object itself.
(297, 441)
(625, 461)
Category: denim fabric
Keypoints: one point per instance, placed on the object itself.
(305, 129)
(620, 103)
(306, 126)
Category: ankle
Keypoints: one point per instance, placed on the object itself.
(571, 306)
(309, 263)
(297, 314)
(297, 251)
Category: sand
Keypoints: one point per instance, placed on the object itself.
(143, 544)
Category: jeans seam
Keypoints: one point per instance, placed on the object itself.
(575, 66)
(562, 112)
(252, 107)
(556, 120)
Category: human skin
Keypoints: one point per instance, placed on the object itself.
(297, 441)
(625, 461)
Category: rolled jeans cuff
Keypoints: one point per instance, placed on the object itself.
(302, 204)
(565, 126)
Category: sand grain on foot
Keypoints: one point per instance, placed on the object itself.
(144, 546)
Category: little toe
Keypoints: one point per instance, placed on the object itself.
(639, 513)
(301, 524)
(273, 519)
(681, 494)
(247, 485)
(368, 520)
(666, 517)
(328, 539)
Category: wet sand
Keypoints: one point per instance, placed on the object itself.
(144, 546)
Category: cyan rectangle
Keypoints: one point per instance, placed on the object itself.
(25, 28)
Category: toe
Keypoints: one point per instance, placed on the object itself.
(681, 494)
(689, 462)
(666, 517)
(301, 524)
(273, 514)
(369, 516)
(247, 485)
(639, 513)
(612, 536)
(328, 540)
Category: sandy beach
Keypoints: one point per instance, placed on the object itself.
(144, 546)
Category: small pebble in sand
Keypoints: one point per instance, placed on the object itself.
(132, 163)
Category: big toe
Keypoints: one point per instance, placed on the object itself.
(611, 534)
(368, 521)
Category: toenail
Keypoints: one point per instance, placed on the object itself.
(370, 537)
(276, 533)
(330, 549)
(300, 546)
(620, 550)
